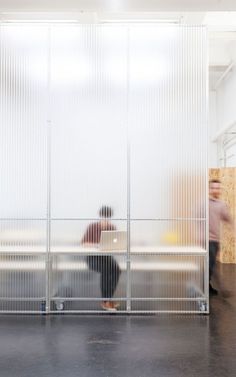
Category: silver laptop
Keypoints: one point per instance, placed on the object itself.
(113, 240)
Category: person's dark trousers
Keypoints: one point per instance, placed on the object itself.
(214, 247)
(109, 273)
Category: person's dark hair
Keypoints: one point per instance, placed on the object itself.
(214, 181)
(106, 212)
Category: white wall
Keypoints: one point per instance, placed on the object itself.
(225, 101)
(213, 127)
(222, 113)
(231, 156)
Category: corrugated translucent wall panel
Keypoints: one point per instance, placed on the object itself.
(95, 116)
(89, 144)
(23, 163)
(75, 281)
(168, 136)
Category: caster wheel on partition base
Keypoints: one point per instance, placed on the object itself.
(202, 307)
(43, 307)
(60, 306)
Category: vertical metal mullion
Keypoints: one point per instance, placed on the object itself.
(128, 261)
(206, 272)
(48, 249)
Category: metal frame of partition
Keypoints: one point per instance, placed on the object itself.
(131, 303)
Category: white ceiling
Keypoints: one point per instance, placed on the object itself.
(117, 5)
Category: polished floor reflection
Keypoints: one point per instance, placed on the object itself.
(113, 345)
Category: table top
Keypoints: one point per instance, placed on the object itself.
(90, 250)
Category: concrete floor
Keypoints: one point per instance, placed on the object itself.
(112, 346)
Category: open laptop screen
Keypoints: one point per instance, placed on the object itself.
(113, 240)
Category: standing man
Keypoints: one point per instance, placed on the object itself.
(218, 211)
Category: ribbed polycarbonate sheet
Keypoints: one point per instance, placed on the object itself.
(103, 168)
(76, 282)
(23, 167)
(168, 167)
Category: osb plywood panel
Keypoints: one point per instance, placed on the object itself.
(228, 178)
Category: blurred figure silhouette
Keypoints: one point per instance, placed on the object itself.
(218, 211)
(106, 265)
